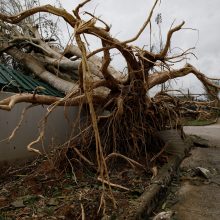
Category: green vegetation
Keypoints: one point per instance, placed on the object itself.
(199, 122)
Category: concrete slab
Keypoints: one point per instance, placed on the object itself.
(200, 199)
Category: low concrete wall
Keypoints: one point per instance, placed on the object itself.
(58, 129)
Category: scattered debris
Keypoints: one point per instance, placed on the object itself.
(154, 171)
(19, 203)
(53, 202)
(204, 172)
(43, 198)
(164, 215)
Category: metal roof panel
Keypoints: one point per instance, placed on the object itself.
(18, 81)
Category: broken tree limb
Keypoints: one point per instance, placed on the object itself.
(9, 103)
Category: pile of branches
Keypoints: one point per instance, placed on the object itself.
(121, 118)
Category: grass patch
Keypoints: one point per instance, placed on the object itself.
(199, 122)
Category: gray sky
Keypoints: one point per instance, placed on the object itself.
(127, 16)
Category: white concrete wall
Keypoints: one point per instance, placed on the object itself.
(58, 129)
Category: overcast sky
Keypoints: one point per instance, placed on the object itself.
(127, 16)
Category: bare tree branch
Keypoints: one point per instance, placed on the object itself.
(144, 25)
(163, 53)
(45, 8)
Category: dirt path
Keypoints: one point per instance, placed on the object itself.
(198, 197)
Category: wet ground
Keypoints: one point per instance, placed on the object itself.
(194, 195)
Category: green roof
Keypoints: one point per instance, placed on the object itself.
(15, 81)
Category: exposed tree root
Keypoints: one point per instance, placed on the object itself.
(122, 120)
(112, 184)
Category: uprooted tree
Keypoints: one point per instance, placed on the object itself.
(122, 119)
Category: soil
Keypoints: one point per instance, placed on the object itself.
(27, 194)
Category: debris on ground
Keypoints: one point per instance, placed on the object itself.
(44, 196)
(164, 215)
(203, 171)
